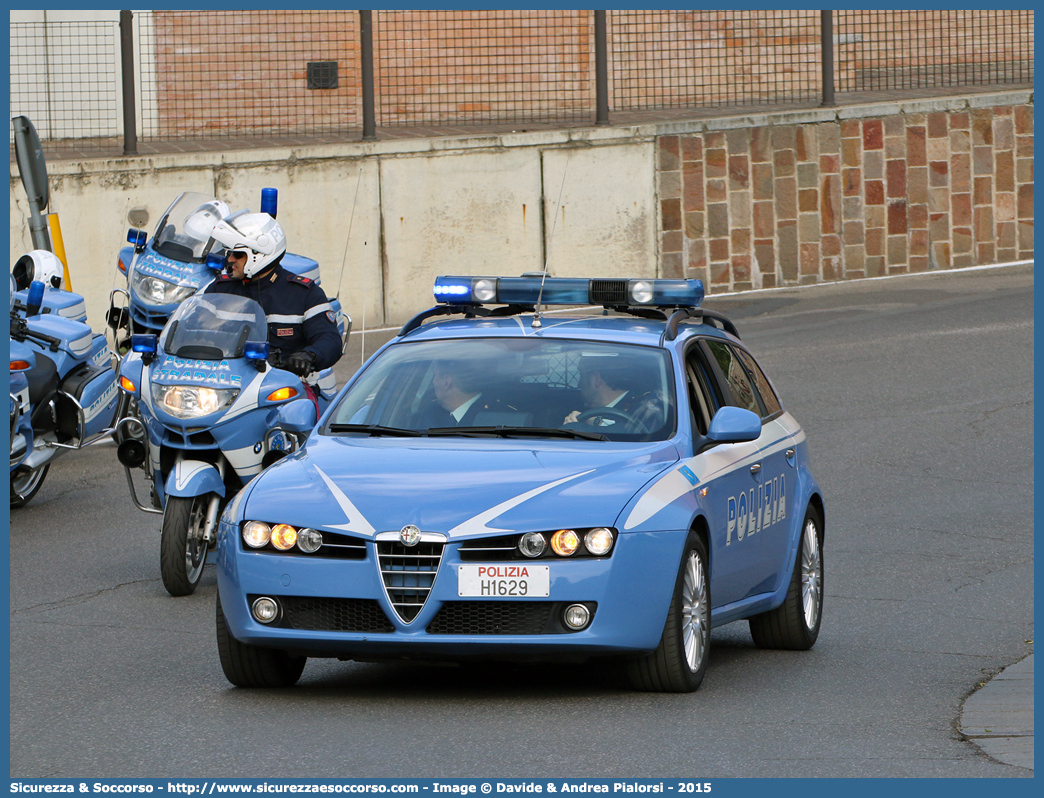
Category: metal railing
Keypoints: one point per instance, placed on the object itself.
(222, 78)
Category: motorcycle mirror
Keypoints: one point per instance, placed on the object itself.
(35, 300)
(297, 416)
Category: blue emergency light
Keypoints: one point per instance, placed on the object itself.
(568, 291)
(137, 238)
(255, 350)
(216, 260)
(145, 344)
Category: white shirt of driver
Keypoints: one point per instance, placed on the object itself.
(458, 414)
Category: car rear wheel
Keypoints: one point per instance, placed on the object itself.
(253, 666)
(794, 624)
(680, 660)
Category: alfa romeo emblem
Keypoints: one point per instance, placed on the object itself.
(409, 535)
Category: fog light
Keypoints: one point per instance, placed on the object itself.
(532, 544)
(564, 542)
(256, 534)
(576, 616)
(266, 610)
(309, 540)
(284, 537)
(599, 541)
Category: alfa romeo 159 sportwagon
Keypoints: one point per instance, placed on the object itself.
(500, 481)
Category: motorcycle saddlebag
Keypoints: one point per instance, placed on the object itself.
(94, 387)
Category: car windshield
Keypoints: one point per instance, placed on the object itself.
(213, 327)
(184, 229)
(512, 387)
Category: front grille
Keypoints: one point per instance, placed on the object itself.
(608, 292)
(492, 618)
(502, 547)
(408, 573)
(333, 614)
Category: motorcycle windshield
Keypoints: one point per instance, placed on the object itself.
(213, 327)
(184, 230)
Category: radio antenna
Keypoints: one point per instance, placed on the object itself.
(536, 316)
(344, 260)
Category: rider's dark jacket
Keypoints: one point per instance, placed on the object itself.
(299, 315)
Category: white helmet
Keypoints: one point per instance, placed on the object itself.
(38, 265)
(200, 223)
(256, 234)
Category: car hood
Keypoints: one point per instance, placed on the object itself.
(463, 488)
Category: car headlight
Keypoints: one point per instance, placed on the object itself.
(259, 535)
(182, 401)
(154, 291)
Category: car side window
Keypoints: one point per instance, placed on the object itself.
(703, 399)
(732, 370)
(768, 396)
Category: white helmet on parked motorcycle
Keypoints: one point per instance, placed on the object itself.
(256, 234)
(38, 265)
(200, 223)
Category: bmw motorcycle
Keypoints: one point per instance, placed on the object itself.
(63, 388)
(175, 264)
(211, 412)
(165, 270)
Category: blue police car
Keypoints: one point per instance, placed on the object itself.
(501, 481)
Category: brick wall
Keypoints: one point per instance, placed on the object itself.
(775, 204)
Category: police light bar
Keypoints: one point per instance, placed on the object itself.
(568, 291)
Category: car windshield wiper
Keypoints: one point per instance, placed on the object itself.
(377, 429)
(518, 432)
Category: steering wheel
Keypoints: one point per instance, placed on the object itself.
(626, 419)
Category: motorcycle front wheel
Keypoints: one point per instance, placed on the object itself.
(183, 551)
(25, 484)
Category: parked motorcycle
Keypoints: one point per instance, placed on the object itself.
(63, 388)
(210, 413)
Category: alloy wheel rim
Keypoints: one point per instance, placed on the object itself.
(22, 486)
(195, 547)
(811, 575)
(694, 612)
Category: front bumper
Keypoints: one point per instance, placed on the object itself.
(630, 593)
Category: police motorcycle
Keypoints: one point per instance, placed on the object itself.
(179, 260)
(63, 388)
(212, 412)
(165, 270)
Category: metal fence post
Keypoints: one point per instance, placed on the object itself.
(366, 46)
(130, 124)
(601, 70)
(826, 33)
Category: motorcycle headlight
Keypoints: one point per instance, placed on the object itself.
(183, 401)
(154, 291)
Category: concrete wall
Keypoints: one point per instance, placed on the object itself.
(741, 202)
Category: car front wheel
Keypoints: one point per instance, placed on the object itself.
(680, 660)
(794, 624)
(254, 666)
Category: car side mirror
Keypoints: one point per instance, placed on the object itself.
(297, 416)
(734, 425)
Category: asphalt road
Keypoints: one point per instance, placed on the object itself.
(917, 396)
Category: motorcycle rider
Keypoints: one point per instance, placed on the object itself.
(301, 322)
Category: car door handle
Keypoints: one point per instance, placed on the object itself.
(755, 470)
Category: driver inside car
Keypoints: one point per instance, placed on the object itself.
(612, 385)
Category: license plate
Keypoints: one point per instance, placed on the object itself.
(504, 581)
